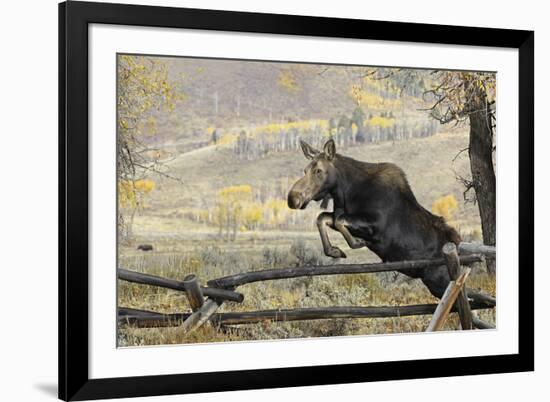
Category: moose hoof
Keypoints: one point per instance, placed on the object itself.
(335, 252)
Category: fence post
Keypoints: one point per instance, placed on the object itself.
(447, 301)
(202, 310)
(199, 317)
(193, 292)
(453, 265)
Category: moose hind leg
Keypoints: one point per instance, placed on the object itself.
(324, 220)
(436, 279)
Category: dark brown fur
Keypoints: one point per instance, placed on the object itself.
(375, 207)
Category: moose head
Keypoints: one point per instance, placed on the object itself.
(319, 176)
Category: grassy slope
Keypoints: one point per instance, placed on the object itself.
(428, 163)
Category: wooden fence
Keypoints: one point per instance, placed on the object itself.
(205, 301)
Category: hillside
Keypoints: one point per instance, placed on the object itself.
(229, 94)
(229, 132)
(428, 163)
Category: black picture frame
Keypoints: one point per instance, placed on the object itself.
(74, 18)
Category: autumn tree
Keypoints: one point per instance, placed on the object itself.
(470, 97)
(445, 206)
(358, 118)
(132, 195)
(287, 80)
(461, 97)
(143, 88)
(230, 210)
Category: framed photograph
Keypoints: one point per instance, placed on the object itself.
(258, 200)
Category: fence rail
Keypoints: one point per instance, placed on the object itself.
(146, 279)
(205, 301)
(149, 319)
(337, 269)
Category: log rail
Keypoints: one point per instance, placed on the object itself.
(337, 269)
(146, 279)
(149, 319)
(205, 301)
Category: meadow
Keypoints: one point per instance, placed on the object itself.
(344, 290)
(227, 214)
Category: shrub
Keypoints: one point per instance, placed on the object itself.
(445, 206)
(308, 254)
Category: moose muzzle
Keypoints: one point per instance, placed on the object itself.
(295, 200)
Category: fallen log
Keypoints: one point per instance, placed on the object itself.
(128, 311)
(337, 269)
(146, 279)
(480, 297)
(480, 324)
(148, 320)
(477, 248)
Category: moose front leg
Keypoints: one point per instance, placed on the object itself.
(341, 223)
(324, 220)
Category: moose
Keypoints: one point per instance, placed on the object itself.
(374, 207)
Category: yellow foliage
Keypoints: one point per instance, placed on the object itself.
(235, 208)
(253, 214)
(382, 122)
(132, 193)
(445, 206)
(144, 186)
(150, 126)
(227, 139)
(371, 100)
(144, 85)
(276, 205)
(272, 131)
(301, 126)
(276, 210)
(203, 215)
(288, 82)
(233, 193)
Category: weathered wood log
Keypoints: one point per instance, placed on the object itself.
(337, 269)
(149, 319)
(477, 248)
(146, 319)
(199, 317)
(447, 301)
(480, 324)
(193, 292)
(146, 279)
(128, 311)
(443, 308)
(480, 297)
(455, 271)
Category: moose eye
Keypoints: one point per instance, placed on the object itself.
(318, 171)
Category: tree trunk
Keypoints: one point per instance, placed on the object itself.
(483, 174)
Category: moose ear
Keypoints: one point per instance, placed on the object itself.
(329, 149)
(308, 150)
